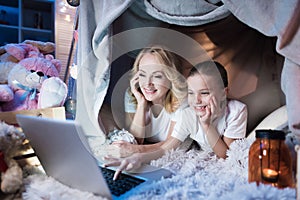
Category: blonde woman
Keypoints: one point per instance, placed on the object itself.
(157, 92)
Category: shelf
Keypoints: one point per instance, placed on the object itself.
(38, 14)
(10, 3)
(37, 34)
(3, 26)
(42, 5)
(10, 36)
(26, 19)
(37, 30)
(9, 15)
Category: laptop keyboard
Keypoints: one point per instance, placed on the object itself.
(123, 184)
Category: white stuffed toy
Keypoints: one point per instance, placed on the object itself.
(12, 143)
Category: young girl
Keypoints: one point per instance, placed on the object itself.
(219, 121)
(156, 92)
(211, 119)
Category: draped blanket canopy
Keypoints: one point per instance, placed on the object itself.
(257, 41)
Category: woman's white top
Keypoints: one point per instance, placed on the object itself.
(232, 124)
(157, 129)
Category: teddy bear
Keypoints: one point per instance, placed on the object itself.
(12, 143)
(16, 52)
(32, 80)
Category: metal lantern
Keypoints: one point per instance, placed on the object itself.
(270, 161)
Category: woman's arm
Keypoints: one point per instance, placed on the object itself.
(127, 149)
(135, 123)
(136, 160)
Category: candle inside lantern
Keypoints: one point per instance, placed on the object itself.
(270, 175)
(270, 160)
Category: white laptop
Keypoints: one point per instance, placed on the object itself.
(64, 153)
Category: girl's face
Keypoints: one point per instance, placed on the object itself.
(201, 89)
(152, 80)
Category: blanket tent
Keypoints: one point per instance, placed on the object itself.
(257, 41)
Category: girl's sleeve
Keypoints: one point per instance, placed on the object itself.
(237, 121)
(186, 123)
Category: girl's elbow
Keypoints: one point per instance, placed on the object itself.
(222, 155)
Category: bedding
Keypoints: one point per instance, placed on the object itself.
(198, 175)
(276, 19)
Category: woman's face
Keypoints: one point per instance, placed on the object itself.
(152, 80)
(201, 89)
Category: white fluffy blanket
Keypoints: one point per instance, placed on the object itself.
(199, 175)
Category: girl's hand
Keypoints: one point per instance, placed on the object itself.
(134, 83)
(129, 163)
(211, 112)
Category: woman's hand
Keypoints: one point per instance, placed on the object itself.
(134, 82)
(127, 164)
(126, 149)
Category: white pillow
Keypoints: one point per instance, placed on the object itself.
(276, 120)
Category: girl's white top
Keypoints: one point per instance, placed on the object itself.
(232, 124)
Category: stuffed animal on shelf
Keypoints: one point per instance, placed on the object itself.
(16, 52)
(32, 77)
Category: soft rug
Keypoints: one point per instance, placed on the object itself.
(198, 175)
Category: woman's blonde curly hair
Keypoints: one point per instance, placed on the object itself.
(178, 91)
